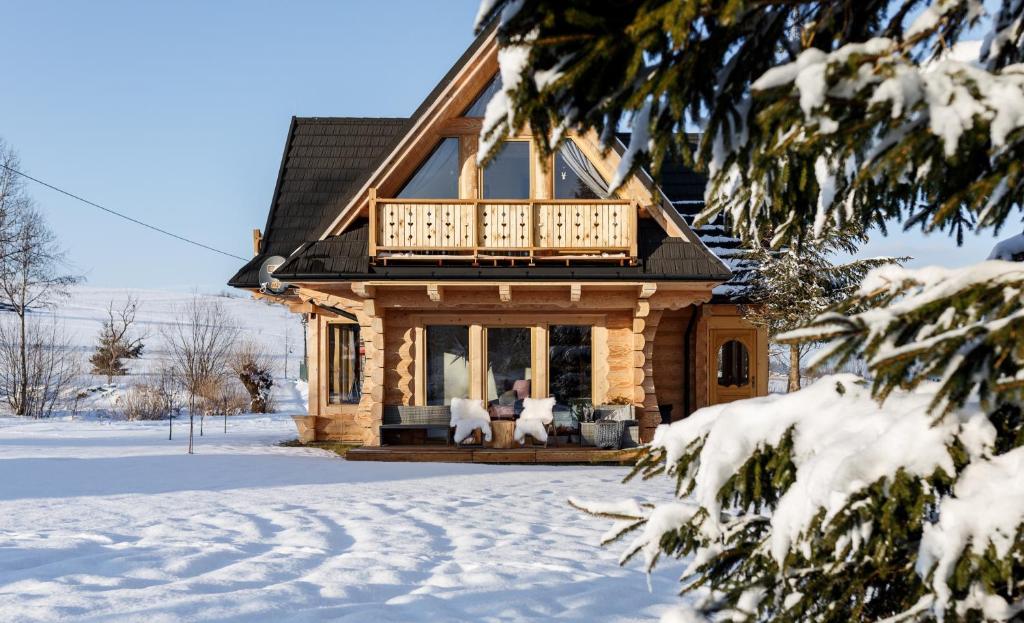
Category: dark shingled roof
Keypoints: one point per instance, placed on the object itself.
(326, 160)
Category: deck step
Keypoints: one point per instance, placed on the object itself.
(538, 456)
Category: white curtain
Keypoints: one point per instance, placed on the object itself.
(585, 169)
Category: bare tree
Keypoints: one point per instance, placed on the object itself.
(200, 341)
(13, 198)
(31, 276)
(251, 364)
(117, 340)
(38, 365)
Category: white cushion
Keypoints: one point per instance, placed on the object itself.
(467, 416)
(537, 413)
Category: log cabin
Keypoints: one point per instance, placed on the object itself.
(426, 277)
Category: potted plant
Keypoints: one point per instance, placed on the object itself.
(617, 408)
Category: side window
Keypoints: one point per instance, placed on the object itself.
(438, 176)
(343, 364)
(733, 364)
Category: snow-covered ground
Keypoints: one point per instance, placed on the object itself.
(110, 521)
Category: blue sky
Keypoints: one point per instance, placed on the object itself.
(176, 113)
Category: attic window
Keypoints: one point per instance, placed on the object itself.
(438, 176)
(576, 177)
(479, 105)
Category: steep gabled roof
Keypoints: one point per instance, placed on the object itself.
(329, 163)
(325, 161)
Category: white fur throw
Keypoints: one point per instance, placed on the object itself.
(536, 415)
(468, 416)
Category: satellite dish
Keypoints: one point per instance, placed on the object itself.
(267, 280)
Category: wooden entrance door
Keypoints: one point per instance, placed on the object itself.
(734, 365)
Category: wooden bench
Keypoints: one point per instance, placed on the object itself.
(403, 417)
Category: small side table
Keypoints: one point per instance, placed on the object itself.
(503, 431)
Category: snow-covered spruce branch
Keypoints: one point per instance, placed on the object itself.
(824, 505)
(837, 124)
(962, 326)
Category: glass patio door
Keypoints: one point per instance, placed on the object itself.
(508, 368)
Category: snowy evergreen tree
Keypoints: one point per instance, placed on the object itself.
(791, 287)
(819, 117)
(116, 342)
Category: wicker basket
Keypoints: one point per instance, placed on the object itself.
(609, 434)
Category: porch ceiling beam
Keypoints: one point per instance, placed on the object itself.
(505, 293)
(575, 292)
(363, 289)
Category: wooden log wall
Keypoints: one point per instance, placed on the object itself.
(400, 358)
(669, 354)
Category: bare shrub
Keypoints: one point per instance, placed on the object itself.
(38, 366)
(144, 402)
(251, 364)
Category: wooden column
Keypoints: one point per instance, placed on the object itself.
(370, 411)
(645, 327)
(313, 348)
(468, 177)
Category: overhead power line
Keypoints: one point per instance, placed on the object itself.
(124, 216)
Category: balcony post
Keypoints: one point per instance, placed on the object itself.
(532, 226)
(633, 252)
(372, 238)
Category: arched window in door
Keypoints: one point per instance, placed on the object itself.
(733, 364)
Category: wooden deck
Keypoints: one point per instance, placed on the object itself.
(539, 456)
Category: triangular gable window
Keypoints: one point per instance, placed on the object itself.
(576, 177)
(438, 176)
(479, 105)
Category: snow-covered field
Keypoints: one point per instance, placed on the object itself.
(81, 317)
(110, 521)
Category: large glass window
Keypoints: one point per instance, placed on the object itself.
(447, 363)
(479, 105)
(569, 364)
(509, 365)
(438, 176)
(508, 174)
(343, 364)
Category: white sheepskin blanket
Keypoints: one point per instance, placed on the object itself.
(536, 415)
(468, 416)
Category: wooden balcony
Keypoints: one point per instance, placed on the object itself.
(509, 231)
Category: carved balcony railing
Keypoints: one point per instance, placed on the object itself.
(439, 230)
